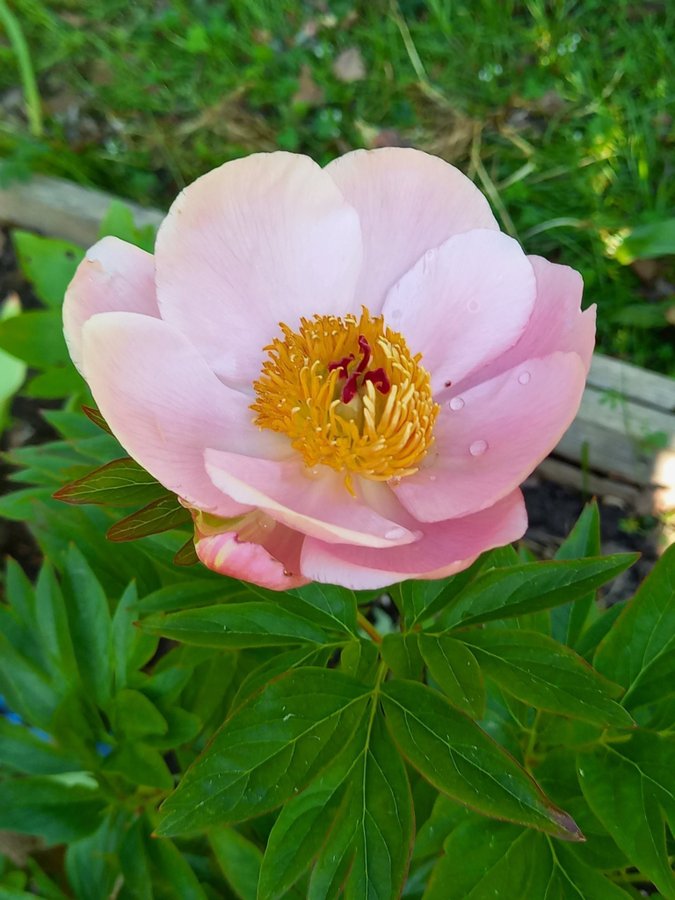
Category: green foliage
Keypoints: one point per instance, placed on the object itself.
(190, 736)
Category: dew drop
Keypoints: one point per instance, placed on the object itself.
(395, 314)
(524, 377)
(478, 448)
(395, 533)
(432, 478)
(456, 403)
(473, 306)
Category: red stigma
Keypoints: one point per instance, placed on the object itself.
(364, 347)
(378, 377)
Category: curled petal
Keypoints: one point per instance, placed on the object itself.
(113, 277)
(316, 503)
(444, 548)
(253, 548)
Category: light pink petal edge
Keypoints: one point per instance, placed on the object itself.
(489, 438)
(113, 277)
(165, 405)
(315, 504)
(445, 548)
(408, 202)
(260, 240)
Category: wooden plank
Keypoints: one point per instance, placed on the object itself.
(62, 209)
(647, 388)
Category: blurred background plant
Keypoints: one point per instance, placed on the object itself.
(561, 111)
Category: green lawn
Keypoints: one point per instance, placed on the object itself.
(561, 111)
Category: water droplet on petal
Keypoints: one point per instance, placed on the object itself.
(432, 478)
(456, 403)
(395, 314)
(524, 377)
(395, 533)
(478, 448)
(473, 306)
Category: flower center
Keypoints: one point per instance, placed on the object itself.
(350, 395)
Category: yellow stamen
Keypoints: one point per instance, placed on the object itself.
(367, 411)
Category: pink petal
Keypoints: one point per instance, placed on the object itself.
(408, 202)
(318, 505)
(489, 438)
(445, 548)
(261, 240)
(165, 405)
(268, 555)
(463, 303)
(113, 277)
(557, 323)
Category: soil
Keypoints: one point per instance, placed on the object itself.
(552, 508)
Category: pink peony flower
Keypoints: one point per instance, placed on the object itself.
(345, 373)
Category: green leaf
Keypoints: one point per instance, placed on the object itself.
(267, 749)
(239, 860)
(140, 764)
(23, 751)
(134, 862)
(121, 482)
(134, 716)
(627, 785)
(91, 863)
(492, 859)
(131, 648)
(48, 263)
(402, 654)
(119, 222)
(338, 604)
(545, 674)
(235, 625)
(51, 624)
(500, 593)
(160, 515)
(90, 625)
(458, 758)
(12, 370)
(35, 337)
(360, 659)
(305, 821)
(569, 621)
(452, 664)
(648, 241)
(179, 880)
(639, 651)
(56, 382)
(59, 808)
(381, 816)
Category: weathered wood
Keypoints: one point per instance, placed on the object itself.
(62, 209)
(626, 411)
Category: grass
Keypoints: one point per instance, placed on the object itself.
(561, 111)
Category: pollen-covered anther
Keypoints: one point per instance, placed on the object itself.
(349, 395)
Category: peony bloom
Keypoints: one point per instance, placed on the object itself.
(345, 373)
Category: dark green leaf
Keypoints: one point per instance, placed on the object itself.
(268, 749)
(56, 382)
(140, 764)
(454, 667)
(305, 821)
(458, 758)
(499, 593)
(569, 621)
(337, 603)
(119, 222)
(545, 674)
(36, 337)
(639, 651)
(91, 863)
(627, 785)
(131, 648)
(133, 716)
(160, 515)
(239, 860)
(121, 482)
(59, 808)
(23, 751)
(402, 654)
(360, 659)
(134, 862)
(647, 241)
(236, 625)
(90, 625)
(381, 816)
(180, 880)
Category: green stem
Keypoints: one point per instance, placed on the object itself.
(370, 629)
(28, 81)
